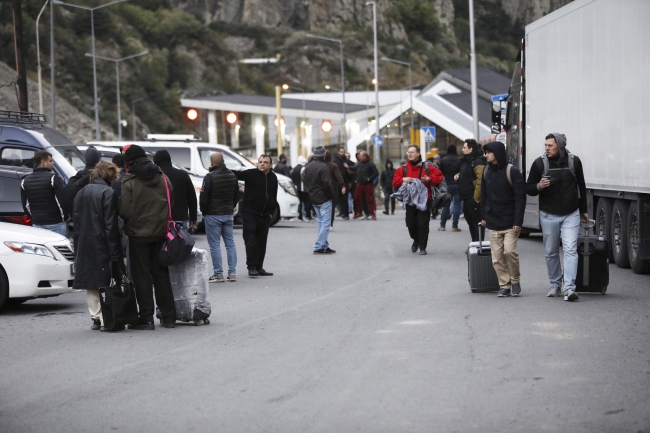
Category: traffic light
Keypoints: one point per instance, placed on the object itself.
(191, 114)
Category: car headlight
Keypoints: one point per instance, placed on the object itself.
(27, 248)
(288, 187)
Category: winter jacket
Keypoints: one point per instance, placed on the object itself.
(143, 204)
(82, 178)
(471, 172)
(386, 178)
(184, 192)
(502, 204)
(220, 191)
(96, 235)
(319, 179)
(417, 170)
(260, 191)
(43, 196)
(366, 171)
(336, 159)
(281, 168)
(335, 173)
(450, 167)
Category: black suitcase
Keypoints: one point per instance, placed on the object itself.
(593, 262)
(480, 272)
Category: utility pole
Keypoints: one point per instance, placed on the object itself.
(374, 26)
(20, 57)
(52, 62)
(472, 59)
(278, 106)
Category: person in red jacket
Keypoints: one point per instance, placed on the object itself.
(417, 220)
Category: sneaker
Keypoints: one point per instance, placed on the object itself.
(555, 291)
(253, 273)
(456, 229)
(329, 250)
(441, 229)
(570, 295)
(261, 272)
(169, 325)
(216, 279)
(384, 212)
(231, 278)
(143, 326)
(423, 252)
(516, 289)
(97, 325)
(322, 251)
(115, 329)
(345, 217)
(503, 293)
(357, 216)
(414, 247)
(373, 217)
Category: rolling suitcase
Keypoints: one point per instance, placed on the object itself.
(480, 272)
(593, 262)
(190, 285)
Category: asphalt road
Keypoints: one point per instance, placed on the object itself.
(371, 339)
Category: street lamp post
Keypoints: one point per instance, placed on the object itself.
(52, 63)
(133, 112)
(374, 26)
(472, 66)
(340, 42)
(92, 30)
(38, 62)
(410, 87)
(117, 73)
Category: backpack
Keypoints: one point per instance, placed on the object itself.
(473, 165)
(544, 167)
(76, 182)
(508, 168)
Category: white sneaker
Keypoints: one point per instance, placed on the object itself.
(555, 291)
(570, 295)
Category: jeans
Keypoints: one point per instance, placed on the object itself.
(216, 227)
(324, 212)
(505, 259)
(455, 207)
(59, 228)
(350, 201)
(256, 233)
(567, 228)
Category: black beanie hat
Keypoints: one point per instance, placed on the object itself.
(133, 151)
(161, 156)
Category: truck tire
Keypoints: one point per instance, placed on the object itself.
(639, 266)
(604, 224)
(4, 288)
(619, 233)
(276, 217)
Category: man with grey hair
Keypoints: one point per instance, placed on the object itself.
(557, 177)
(321, 194)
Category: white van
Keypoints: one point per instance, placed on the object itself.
(195, 157)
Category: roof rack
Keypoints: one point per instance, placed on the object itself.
(172, 137)
(22, 118)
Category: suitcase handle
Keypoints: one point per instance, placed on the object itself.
(481, 237)
(585, 261)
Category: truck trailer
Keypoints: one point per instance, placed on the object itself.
(584, 71)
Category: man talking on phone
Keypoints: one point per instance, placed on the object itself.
(557, 177)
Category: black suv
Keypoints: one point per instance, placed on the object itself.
(21, 136)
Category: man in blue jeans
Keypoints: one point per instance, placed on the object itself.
(557, 177)
(321, 195)
(219, 194)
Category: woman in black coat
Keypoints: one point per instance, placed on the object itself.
(386, 182)
(96, 236)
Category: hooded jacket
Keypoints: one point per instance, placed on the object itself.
(386, 177)
(260, 191)
(567, 192)
(319, 179)
(184, 192)
(471, 172)
(502, 204)
(143, 204)
(416, 169)
(450, 165)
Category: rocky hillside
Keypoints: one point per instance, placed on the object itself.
(194, 47)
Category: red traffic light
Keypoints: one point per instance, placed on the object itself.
(192, 114)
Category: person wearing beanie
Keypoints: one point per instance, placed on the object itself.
(338, 184)
(144, 207)
(503, 202)
(558, 178)
(303, 194)
(450, 166)
(321, 194)
(184, 192)
(258, 206)
(82, 178)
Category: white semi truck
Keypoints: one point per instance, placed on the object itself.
(584, 70)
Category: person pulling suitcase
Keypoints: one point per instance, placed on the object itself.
(503, 202)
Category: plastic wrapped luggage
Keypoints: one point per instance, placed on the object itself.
(190, 285)
(593, 262)
(480, 272)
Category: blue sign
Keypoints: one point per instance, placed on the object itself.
(502, 97)
(428, 134)
(377, 140)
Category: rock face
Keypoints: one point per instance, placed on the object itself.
(530, 10)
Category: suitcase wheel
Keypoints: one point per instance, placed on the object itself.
(473, 290)
(602, 292)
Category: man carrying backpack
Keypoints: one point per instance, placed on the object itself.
(557, 177)
(417, 220)
(503, 202)
(82, 178)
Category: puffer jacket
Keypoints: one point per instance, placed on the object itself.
(366, 172)
(220, 191)
(143, 204)
(43, 196)
(96, 235)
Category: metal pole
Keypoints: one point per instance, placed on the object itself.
(133, 111)
(21, 72)
(119, 113)
(52, 72)
(38, 62)
(411, 96)
(472, 57)
(345, 121)
(92, 28)
(374, 24)
(278, 106)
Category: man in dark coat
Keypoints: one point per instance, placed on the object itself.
(450, 166)
(503, 202)
(281, 167)
(338, 184)
(321, 194)
(469, 185)
(343, 162)
(82, 178)
(366, 172)
(184, 192)
(386, 183)
(259, 204)
(303, 195)
(96, 237)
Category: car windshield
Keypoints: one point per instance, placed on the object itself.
(232, 161)
(69, 159)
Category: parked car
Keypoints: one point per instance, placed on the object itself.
(195, 157)
(34, 263)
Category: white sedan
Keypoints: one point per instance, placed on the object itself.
(34, 263)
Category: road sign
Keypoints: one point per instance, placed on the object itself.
(377, 140)
(428, 134)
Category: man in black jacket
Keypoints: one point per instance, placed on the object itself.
(366, 173)
(450, 166)
(557, 177)
(503, 202)
(321, 194)
(386, 183)
(43, 195)
(343, 163)
(259, 204)
(219, 194)
(469, 185)
(184, 192)
(303, 195)
(281, 167)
